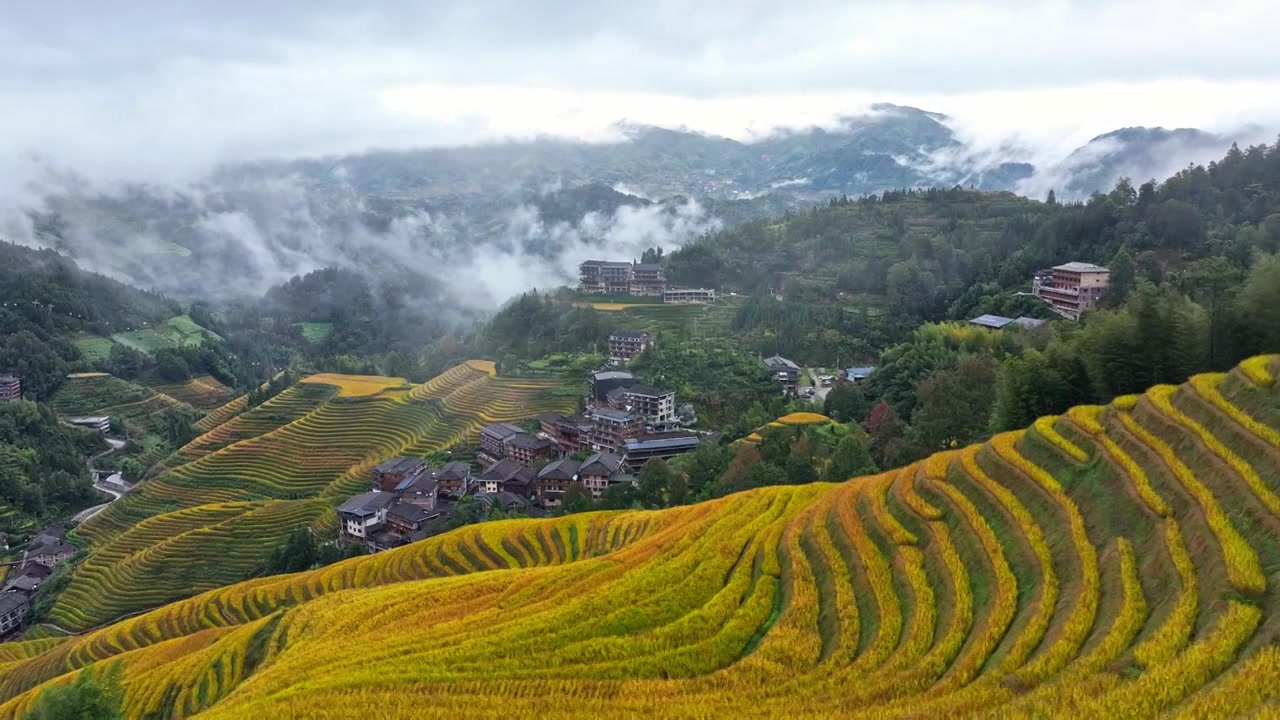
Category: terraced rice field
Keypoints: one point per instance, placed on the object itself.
(1111, 563)
(299, 453)
(201, 393)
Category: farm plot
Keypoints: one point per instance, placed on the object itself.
(1112, 562)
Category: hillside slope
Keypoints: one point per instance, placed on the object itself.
(1114, 562)
(226, 499)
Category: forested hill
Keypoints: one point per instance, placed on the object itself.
(875, 268)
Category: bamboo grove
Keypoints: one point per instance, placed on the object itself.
(1117, 561)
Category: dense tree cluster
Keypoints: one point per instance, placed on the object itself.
(42, 462)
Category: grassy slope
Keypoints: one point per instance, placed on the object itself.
(1111, 563)
(227, 498)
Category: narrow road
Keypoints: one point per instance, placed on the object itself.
(113, 485)
(820, 397)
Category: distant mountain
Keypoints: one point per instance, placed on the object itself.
(1138, 153)
(521, 214)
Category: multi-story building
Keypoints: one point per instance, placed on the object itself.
(614, 427)
(640, 450)
(529, 450)
(605, 380)
(603, 277)
(507, 476)
(365, 514)
(657, 406)
(454, 478)
(571, 432)
(647, 280)
(1072, 288)
(686, 296)
(783, 371)
(101, 423)
(554, 480)
(599, 470)
(627, 344)
(494, 439)
(10, 388)
(421, 490)
(14, 608)
(390, 473)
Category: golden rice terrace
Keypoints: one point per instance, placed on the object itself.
(1118, 561)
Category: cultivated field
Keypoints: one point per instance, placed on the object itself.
(1112, 563)
(242, 486)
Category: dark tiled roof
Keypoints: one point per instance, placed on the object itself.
(778, 362)
(529, 442)
(551, 418)
(456, 470)
(630, 334)
(601, 464)
(409, 512)
(650, 442)
(11, 601)
(402, 465)
(502, 471)
(563, 469)
(614, 415)
(501, 430)
(366, 503)
(648, 267)
(648, 391)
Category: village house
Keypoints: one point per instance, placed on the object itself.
(603, 277)
(10, 388)
(1072, 288)
(688, 296)
(604, 381)
(656, 406)
(405, 519)
(454, 479)
(571, 432)
(554, 480)
(784, 372)
(422, 490)
(529, 450)
(365, 514)
(28, 579)
(858, 374)
(397, 470)
(643, 448)
(599, 470)
(613, 427)
(14, 608)
(647, 280)
(493, 441)
(626, 344)
(51, 555)
(100, 423)
(507, 476)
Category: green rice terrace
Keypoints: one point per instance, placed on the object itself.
(180, 331)
(221, 504)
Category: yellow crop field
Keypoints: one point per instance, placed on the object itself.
(1105, 564)
(234, 493)
(356, 385)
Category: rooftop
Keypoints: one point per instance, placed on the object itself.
(606, 263)
(651, 442)
(777, 361)
(455, 470)
(506, 471)
(620, 416)
(612, 375)
(366, 503)
(632, 334)
(411, 513)
(603, 463)
(529, 442)
(1080, 267)
(992, 321)
(88, 420)
(502, 430)
(648, 391)
(564, 469)
(648, 267)
(401, 465)
(859, 372)
(11, 601)
(59, 549)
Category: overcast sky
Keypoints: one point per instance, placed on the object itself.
(165, 89)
